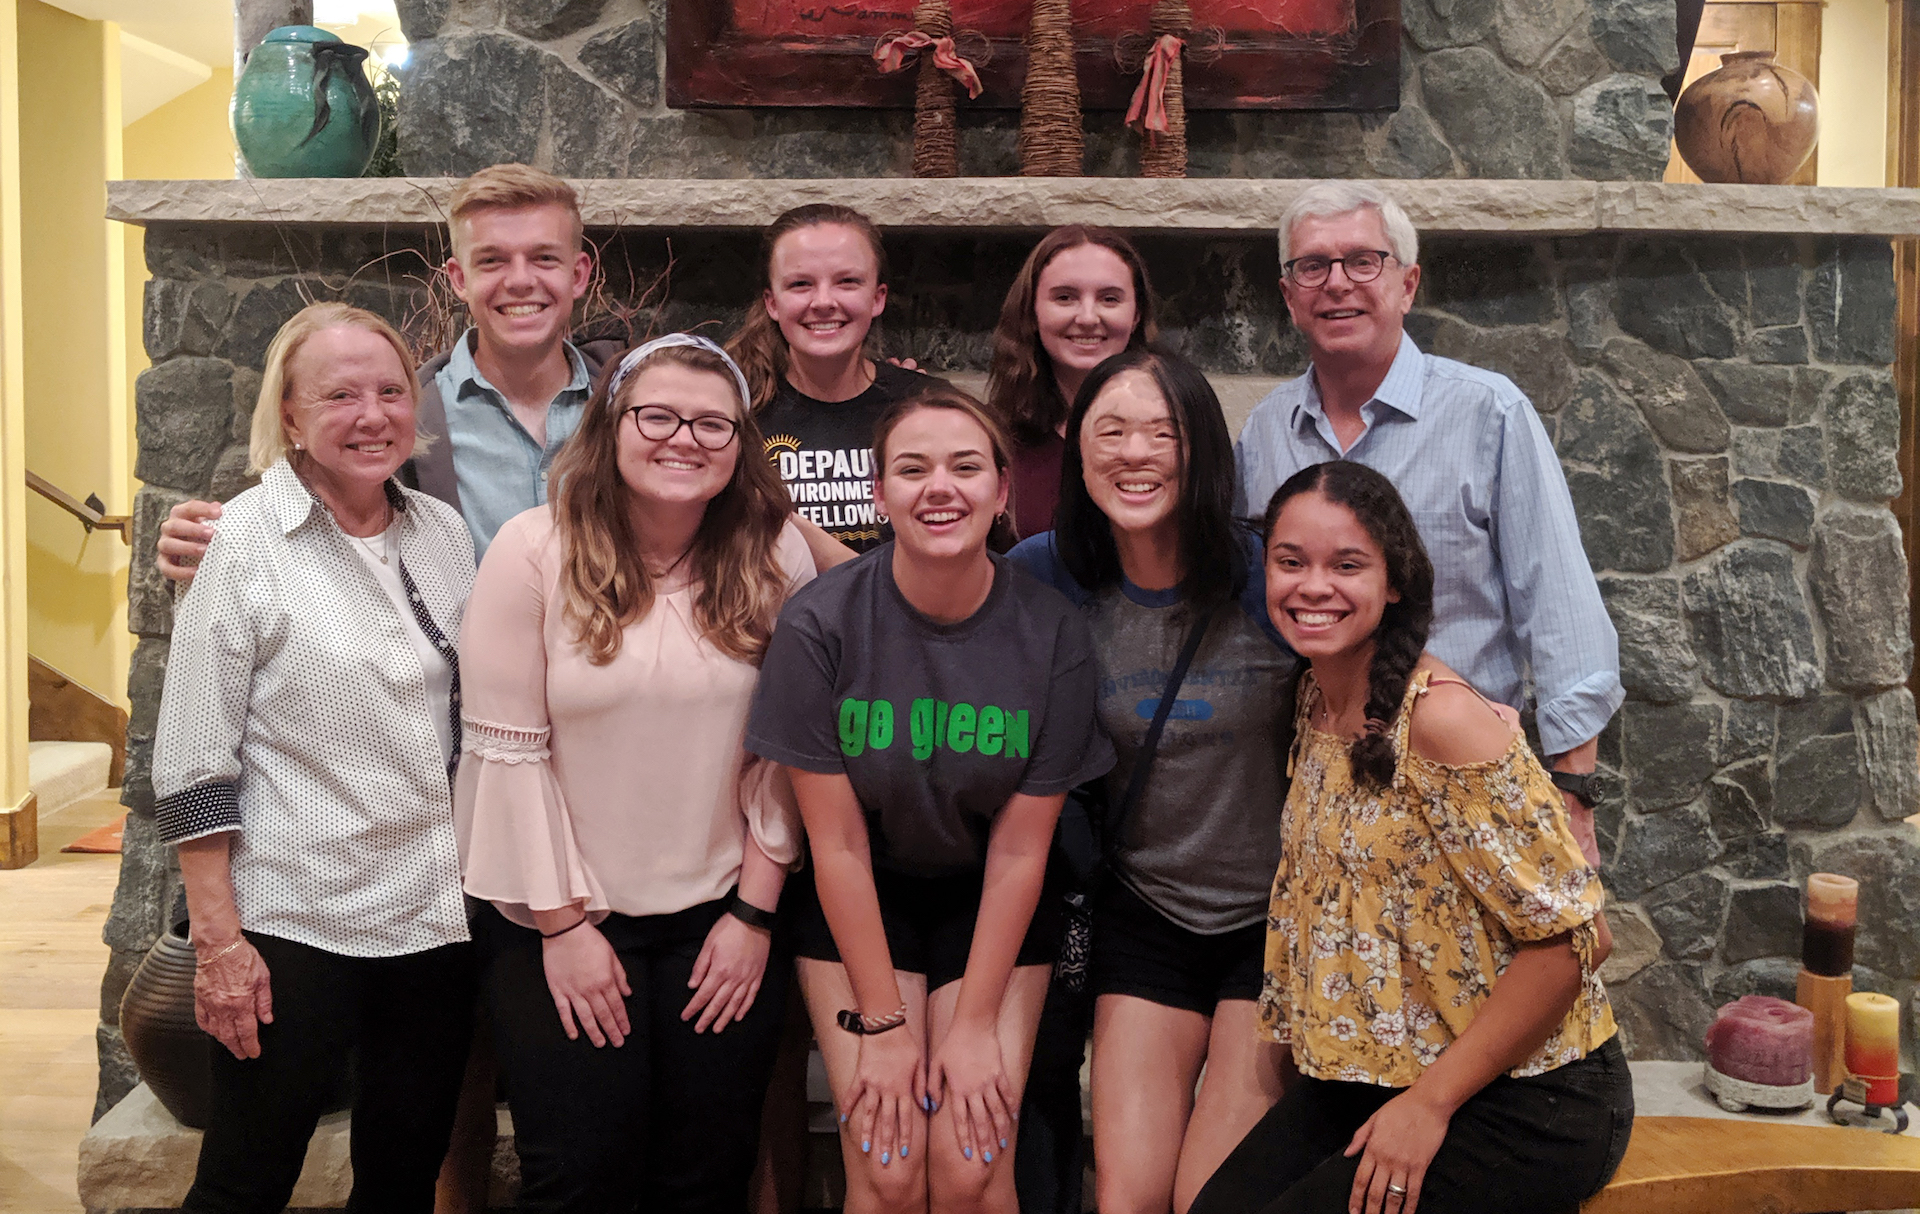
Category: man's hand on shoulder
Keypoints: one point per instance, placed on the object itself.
(1455, 725)
(184, 537)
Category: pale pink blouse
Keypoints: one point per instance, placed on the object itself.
(621, 787)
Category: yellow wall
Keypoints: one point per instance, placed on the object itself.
(73, 272)
(13, 590)
(1853, 93)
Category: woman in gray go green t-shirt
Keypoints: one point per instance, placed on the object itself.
(933, 706)
(1146, 542)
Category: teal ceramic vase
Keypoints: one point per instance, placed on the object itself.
(304, 107)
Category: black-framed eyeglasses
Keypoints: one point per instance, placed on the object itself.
(710, 430)
(1361, 266)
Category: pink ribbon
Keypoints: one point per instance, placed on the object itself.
(1149, 108)
(892, 51)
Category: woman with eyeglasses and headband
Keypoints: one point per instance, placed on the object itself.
(632, 852)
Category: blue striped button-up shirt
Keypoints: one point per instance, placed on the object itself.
(501, 470)
(1513, 593)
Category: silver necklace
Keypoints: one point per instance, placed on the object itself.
(382, 552)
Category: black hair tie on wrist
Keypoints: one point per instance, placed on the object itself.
(580, 922)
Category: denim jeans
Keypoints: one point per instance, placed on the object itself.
(1538, 1145)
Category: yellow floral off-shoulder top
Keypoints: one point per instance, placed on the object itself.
(1394, 911)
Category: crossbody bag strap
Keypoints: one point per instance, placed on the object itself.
(1137, 781)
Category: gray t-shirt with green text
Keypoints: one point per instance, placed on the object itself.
(936, 725)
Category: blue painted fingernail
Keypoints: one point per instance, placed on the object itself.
(866, 1147)
(989, 1156)
(903, 1152)
(967, 1151)
(885, 1159)
(1003, 1144)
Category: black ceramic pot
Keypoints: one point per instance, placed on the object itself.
(156, 1020)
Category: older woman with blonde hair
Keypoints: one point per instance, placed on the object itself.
(632, 852)
(307, 734)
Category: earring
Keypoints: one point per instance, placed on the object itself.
(298, 447)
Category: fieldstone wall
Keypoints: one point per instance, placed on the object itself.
(1726, 418)
(1490, 88)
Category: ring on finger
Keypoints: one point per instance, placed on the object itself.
(1398, 1190)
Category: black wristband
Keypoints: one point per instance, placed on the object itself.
(580, 922)
(751, 915)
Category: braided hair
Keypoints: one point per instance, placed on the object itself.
(1402, 633)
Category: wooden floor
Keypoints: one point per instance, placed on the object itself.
(51, 960)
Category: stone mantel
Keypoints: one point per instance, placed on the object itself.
(1199, 207)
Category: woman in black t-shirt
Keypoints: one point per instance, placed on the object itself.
(816, 393)
(933, 706)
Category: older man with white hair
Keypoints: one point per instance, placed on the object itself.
(1515, 602)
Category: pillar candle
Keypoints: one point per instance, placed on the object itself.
(1873, 1045)
(1759, 1039)
(1833, 906)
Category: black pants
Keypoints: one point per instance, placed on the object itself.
(1539, 1145)
(407, 1020)
(1049, 1168)
(668, 1122)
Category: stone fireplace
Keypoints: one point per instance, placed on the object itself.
(1712, 362)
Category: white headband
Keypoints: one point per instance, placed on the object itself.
(640, 353)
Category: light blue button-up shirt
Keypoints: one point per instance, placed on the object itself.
(1513, 592)
(500, 469)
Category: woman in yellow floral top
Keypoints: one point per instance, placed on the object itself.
(1432, 939)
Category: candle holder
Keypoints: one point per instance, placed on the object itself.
(1854, 1091)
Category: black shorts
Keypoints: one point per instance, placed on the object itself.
(1140, 952)
(928, 920)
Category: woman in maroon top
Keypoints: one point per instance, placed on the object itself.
(1081, 297)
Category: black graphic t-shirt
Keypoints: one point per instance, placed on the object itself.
(823, 451)
(936, 725)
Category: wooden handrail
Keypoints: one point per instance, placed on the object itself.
(91, 513)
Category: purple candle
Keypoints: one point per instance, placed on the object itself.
(1760, 1039)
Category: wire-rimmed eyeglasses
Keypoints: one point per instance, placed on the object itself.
(712, 431)
(1363, 265)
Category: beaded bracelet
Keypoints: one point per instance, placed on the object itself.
(868, 1026)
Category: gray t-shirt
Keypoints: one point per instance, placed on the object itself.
(1202, 845)
(936, 725)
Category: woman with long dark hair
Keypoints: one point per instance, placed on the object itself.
(1432, 950)
(1081, 297)
(1148, 545)
(632, 852)
(932, 706)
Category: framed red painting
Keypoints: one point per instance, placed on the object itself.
(1244, 54)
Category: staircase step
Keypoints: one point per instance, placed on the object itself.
(61, 773)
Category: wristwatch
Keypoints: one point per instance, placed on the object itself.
(1588, 787)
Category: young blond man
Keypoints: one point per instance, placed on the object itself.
(498, 406)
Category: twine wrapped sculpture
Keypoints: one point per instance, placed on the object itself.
(1159, 109)
(936, 146)
(1052, 142)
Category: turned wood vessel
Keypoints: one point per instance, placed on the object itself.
(1751, 122)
